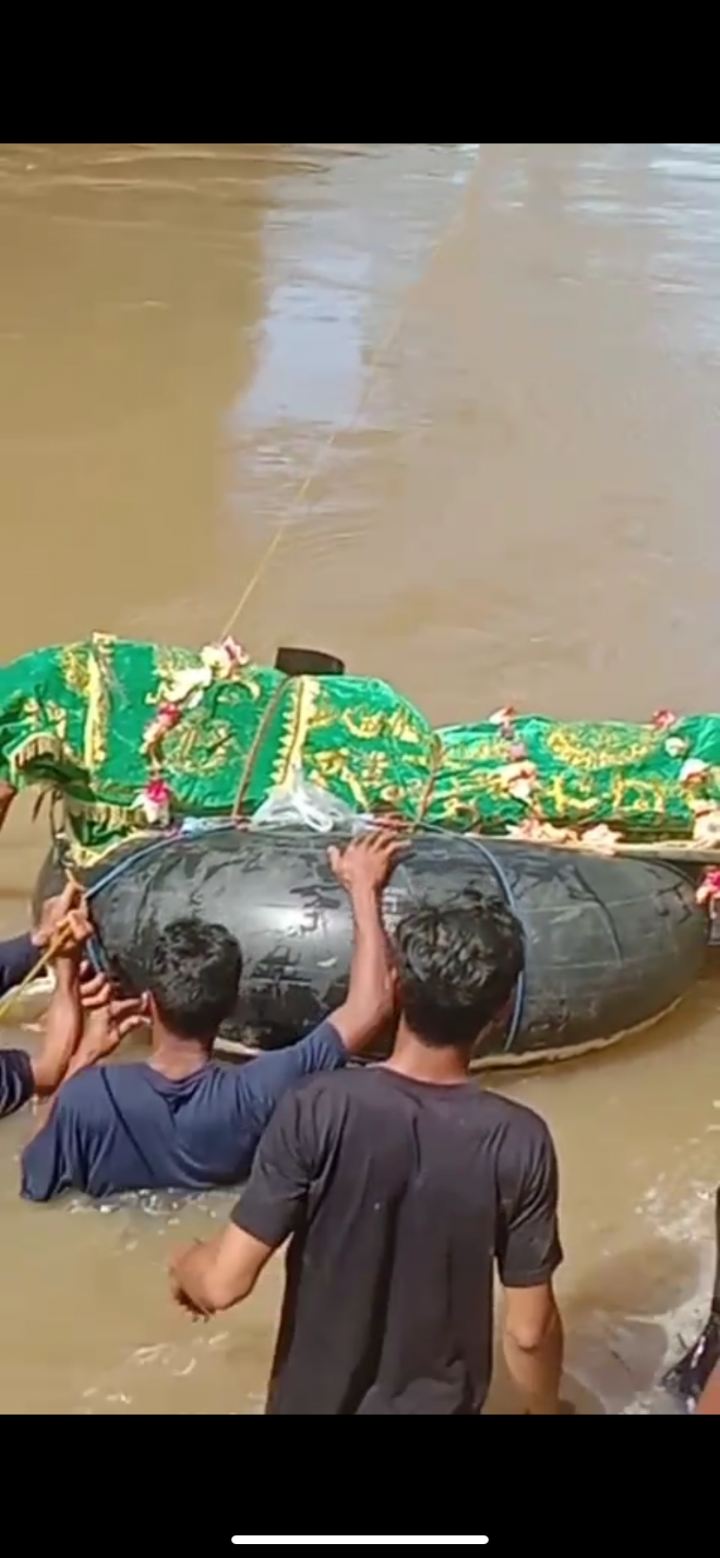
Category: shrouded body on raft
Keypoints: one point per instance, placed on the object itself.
(136, 737)
(611, 944)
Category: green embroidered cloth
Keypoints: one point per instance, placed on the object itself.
(75, 718)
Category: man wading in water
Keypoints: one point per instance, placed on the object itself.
(183, 1121)
(400, 1186)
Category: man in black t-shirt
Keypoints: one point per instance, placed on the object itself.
(400, 1187)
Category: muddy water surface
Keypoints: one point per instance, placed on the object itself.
(500, 364)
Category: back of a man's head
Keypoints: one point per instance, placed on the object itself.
(457, 967)
(194, 978)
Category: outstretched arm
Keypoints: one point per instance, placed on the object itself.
(20, 956)
(363, 869)
(65, 917)
(216, 1275)
(63, 1029)
(83, 1023)
(22, 1076)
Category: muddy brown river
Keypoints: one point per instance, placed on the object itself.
(478, 388)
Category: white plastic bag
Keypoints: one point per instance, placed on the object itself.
(307, 804)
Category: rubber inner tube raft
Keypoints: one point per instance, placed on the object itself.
(610, 944)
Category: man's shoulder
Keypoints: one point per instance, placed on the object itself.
(517, 1121)
(89, 1089)
(329, 1087)
(514, 1120)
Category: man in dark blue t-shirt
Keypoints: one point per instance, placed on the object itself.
(22, 1076)
(182, 1121)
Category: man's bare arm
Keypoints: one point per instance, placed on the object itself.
(533, 1345)
(216, 1275)
(107, 1018)
(63, 1028)
(529, 1253)
(63, 1031)
(210, 1277)
(64, 1021)
(364, 869)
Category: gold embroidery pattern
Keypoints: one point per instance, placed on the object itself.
(590, 747)
(59, 719)
(167, 661)
(199, 747)
(75, 670)
(296, 721)
(459, 754)
(334, 767)
(98, 712)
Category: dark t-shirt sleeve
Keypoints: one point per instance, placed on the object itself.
(17, 1083)
(273, 1204)
(260, 1085)
(528, 1247)
(17, 960)
(55, 1159)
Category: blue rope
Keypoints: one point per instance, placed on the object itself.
(122, 866)
(520, 988)
(96, 952)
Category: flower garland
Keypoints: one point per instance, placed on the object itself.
(519, 776)
(182, 690)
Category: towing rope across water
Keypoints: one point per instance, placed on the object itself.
(299, 503)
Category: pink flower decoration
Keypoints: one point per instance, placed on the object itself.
(155, 801)
(663, 719)
(234, 651)
(709, 889)
(165, 720)
(158, 791)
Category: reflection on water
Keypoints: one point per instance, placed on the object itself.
(335, 281)
(498, 363)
